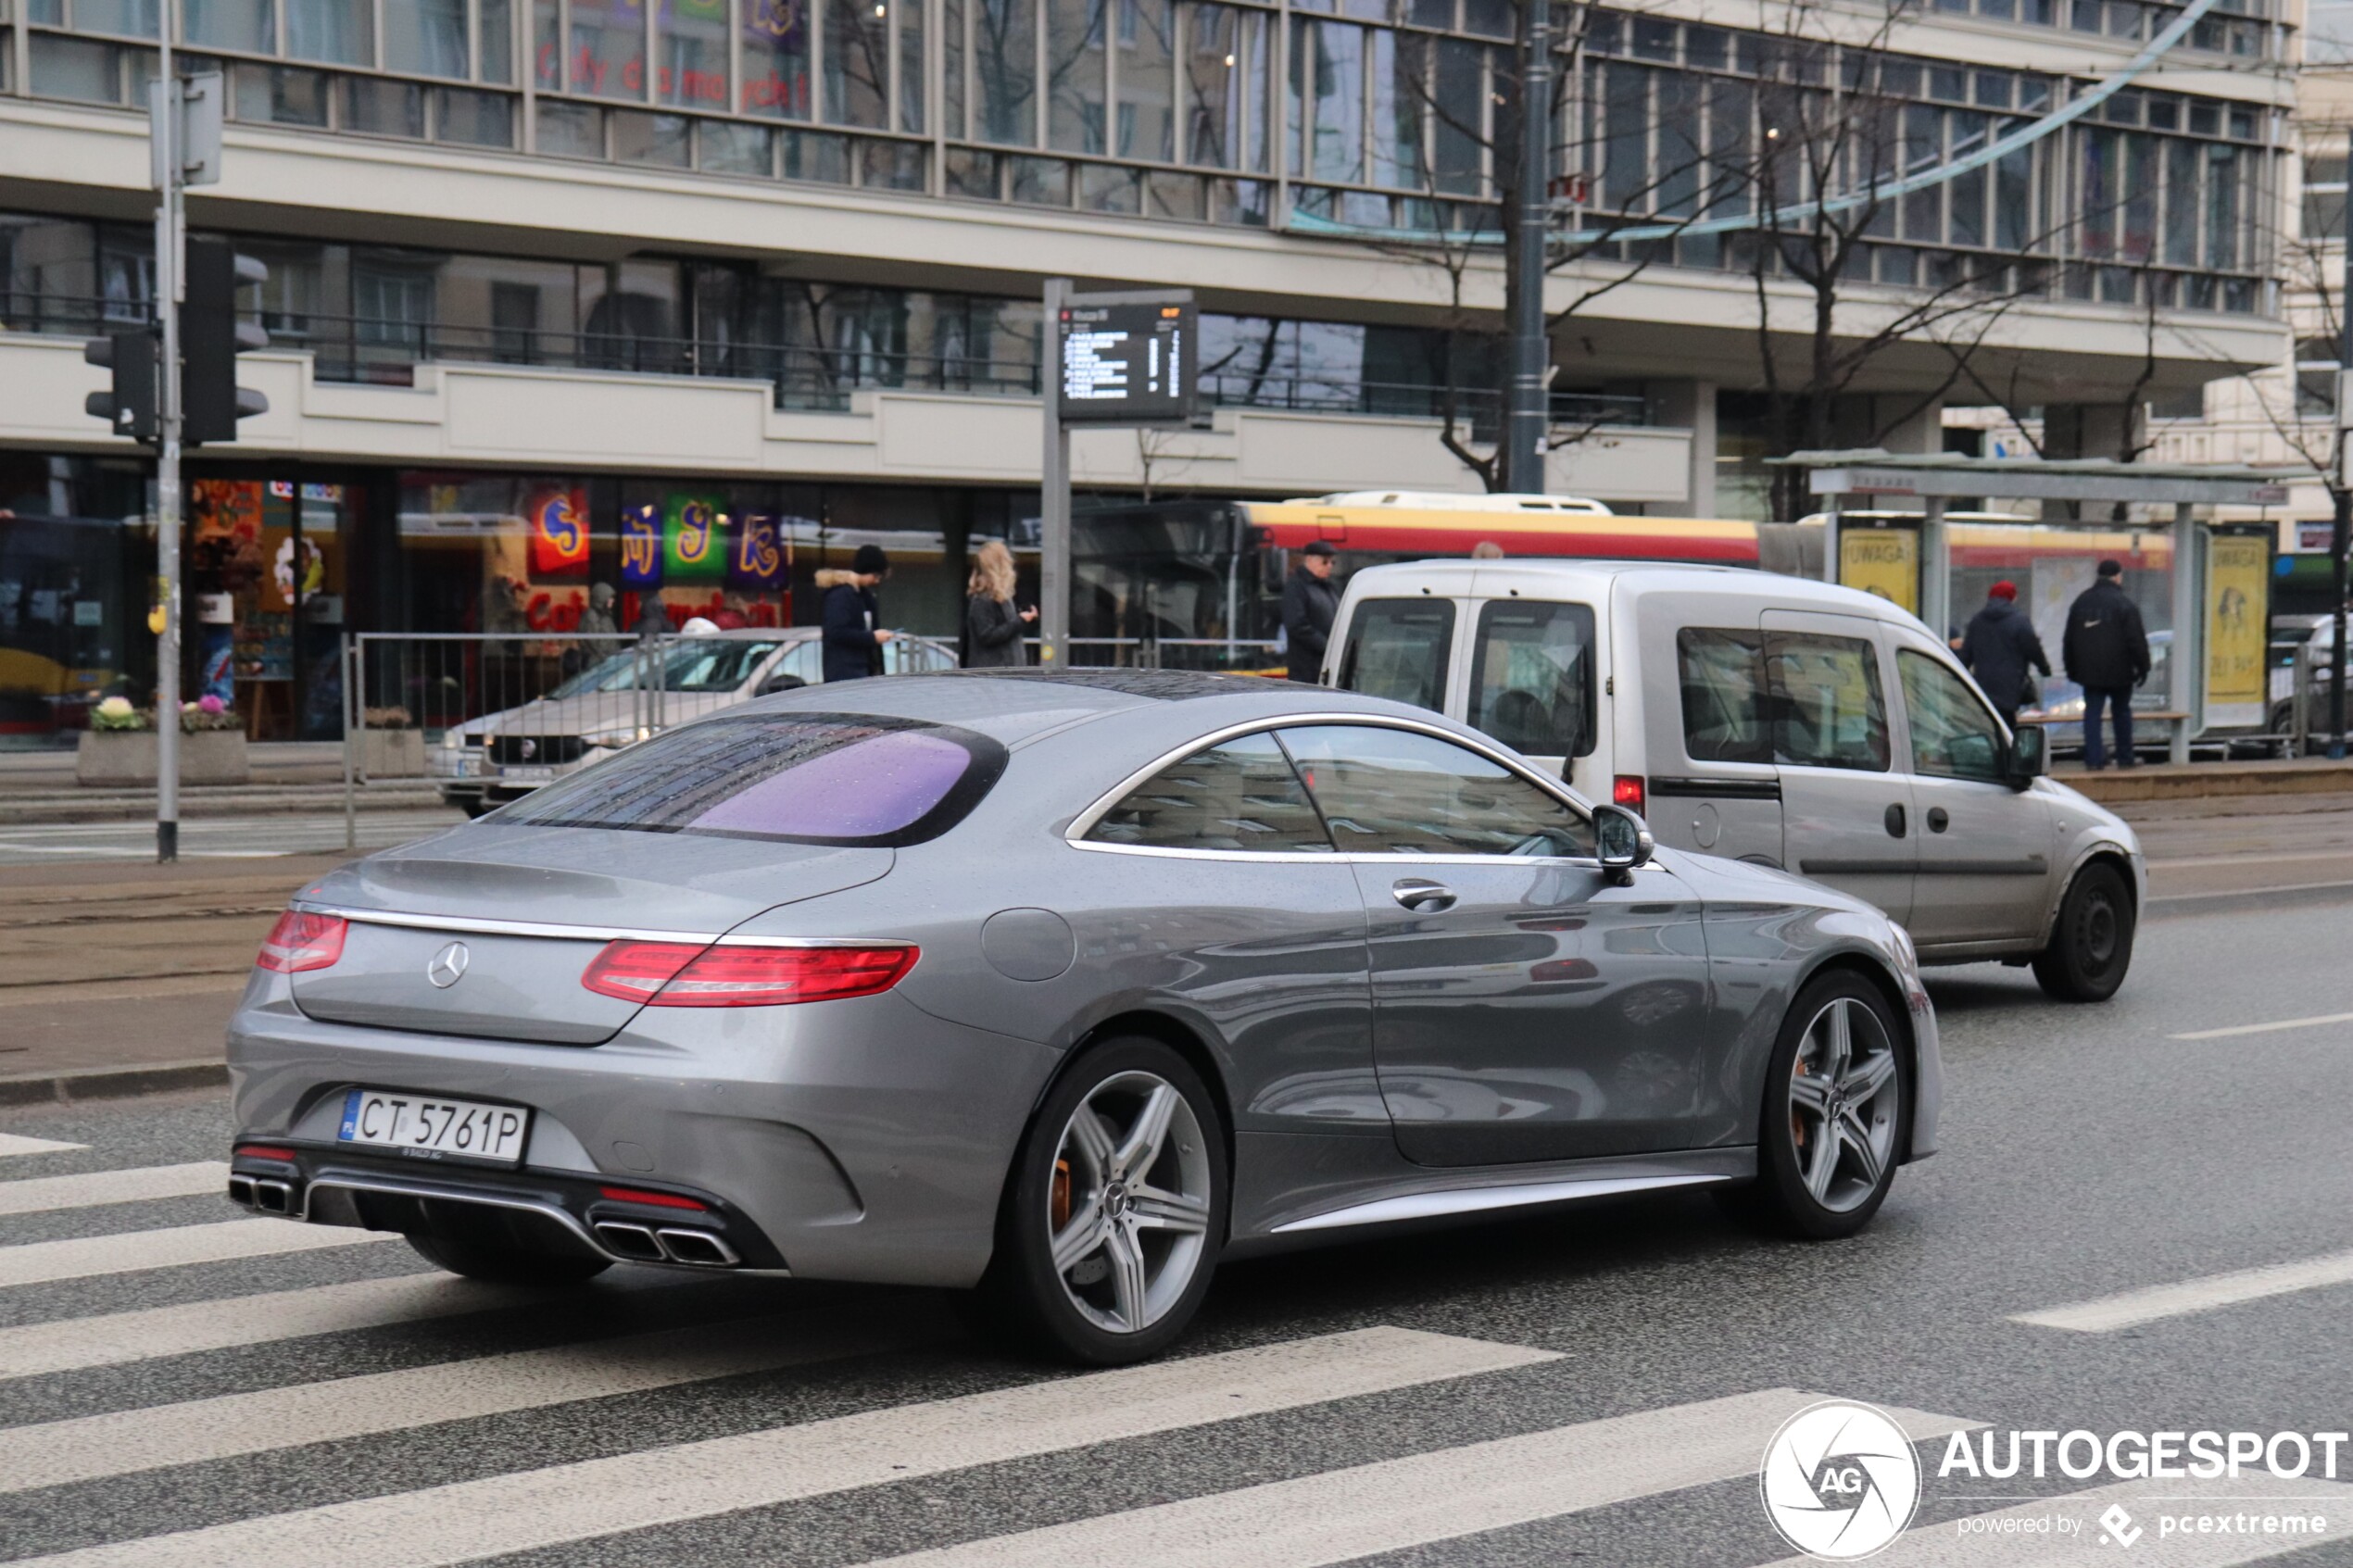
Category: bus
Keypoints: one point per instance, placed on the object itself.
(1199, 585)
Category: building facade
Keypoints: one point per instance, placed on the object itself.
(617, 259)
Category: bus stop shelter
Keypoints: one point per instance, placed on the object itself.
(2173, 492)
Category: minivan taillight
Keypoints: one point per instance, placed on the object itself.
(302, 941)
(684, 975)
(1626, 791)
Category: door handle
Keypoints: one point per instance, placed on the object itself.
(1937, 820)
(1423, 898)
(1894, 820)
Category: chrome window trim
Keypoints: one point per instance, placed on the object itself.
(1087, 819)
(479, 926)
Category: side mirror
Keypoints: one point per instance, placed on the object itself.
(1623, 842)
(775, 684)
(2027, 759)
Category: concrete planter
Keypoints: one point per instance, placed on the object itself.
(125, 758)
(392, 754)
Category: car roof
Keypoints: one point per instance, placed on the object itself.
(1637, 576)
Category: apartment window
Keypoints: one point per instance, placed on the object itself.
(394, 308)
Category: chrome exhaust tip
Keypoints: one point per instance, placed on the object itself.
(699, 1249)
(634, 1242)
(241, 1191)
(272, 1195)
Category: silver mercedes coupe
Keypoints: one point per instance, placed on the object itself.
(1063, 986)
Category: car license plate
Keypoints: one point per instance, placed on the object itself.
(526, 773)
(435, 1129)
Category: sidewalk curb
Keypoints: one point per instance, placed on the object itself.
(2251, 899)
(112, 1083)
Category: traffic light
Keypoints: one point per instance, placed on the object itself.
(130, 407)
(211, 336)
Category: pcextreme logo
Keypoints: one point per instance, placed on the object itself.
(1840, 1481)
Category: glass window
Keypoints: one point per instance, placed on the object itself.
(1240, 793)
(911, 67)
(776, 47)
(1533, 670)
(338, 32)
(1397, 792)
(426, 37)
(691, 52)
(479, 120)
(1953, 736)
(383, 108)
(1147, 125)
(1722, 674)
(498, 37)
(1328, 87)
(1213, 73)
(1005, 70)
(134, 17)
(608, 48)
(1825, 702)
(1398, 648)
(1075, 72)
(857, 78)
(801, 778)
(250, 25)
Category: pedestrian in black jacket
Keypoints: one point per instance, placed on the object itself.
(2107, 653)
(992, 626)
(1999, 647)
(1310, 605)
(853, 640)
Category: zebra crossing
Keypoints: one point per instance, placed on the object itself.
(303, 1394)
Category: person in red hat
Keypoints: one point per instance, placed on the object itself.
(1999, 647)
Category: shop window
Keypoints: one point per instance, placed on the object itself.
(691, 44)
(607, 49)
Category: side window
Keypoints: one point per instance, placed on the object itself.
(1398, 648)
(804, 658)
(1825, 702)
(1388, 791)
(1238, 794)
(1953, 736)
(1532, 668)
(1722, 674)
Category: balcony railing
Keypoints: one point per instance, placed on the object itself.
(378, 351)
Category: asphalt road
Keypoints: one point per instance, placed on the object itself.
(1592, 1386)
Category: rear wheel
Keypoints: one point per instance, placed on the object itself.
(1116, 1211)
(1837, 1102)
(506, 1265)
(2092, 945)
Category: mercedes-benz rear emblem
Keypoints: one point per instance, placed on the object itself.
(448, 966)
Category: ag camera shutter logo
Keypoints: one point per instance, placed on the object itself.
(1840, 1481)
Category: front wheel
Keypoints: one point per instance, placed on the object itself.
(2092, 945)
(1838, 1098)
(1116, 1211)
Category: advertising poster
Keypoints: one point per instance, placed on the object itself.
(558, 524)
(2237, 633)
(693, 539)
(640, 548)
(1885, 562)
(755, 556)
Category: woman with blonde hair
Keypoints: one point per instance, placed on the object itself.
(992, 626)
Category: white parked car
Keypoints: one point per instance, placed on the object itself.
(629, 696)
(1774, 720)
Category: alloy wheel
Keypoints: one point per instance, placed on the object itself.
(1129, 1202)
(1843, 1105)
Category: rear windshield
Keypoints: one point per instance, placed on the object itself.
(1396, 648)
(802, 778)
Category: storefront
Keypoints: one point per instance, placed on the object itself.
(282, 560)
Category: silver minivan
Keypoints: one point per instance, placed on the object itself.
(1793, 723)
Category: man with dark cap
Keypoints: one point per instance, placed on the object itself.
(854, 643)
(1999, 646)
(1310, 605)
(2107, 653)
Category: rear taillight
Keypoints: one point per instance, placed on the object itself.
(679, 975)
(1626, 791)
(302, 941)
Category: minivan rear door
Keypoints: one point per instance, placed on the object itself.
(1847, 817)
(1400, 648)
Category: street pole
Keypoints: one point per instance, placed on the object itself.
(1053, 515)
(1524, 422)
(2341, 536)
(170, 230)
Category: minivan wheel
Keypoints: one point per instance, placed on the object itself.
(2092, 945)
(1837, 1097)
(506, 1265)
(1115, 1213)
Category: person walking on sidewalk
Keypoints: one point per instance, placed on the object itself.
(2107, 653)
(1310, 605)
(1999, 647)
(853, 640)
(992, 626)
